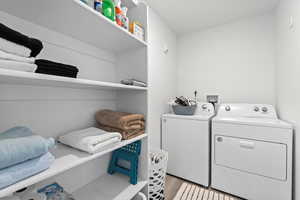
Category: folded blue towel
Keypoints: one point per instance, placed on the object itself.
(17, 146)
(16, 132)
(11, 175)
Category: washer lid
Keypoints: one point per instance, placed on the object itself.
(267, 122)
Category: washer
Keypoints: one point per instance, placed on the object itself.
(187, 140)
(252, 152)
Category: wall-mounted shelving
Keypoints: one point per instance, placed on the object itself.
(35, 79)
(76, 19)
(65, 158)
(54, 22)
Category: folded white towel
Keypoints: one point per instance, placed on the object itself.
(13, 57)
(19, 66)
(14, 48)
(90, 140)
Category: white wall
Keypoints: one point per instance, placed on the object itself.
(288, 73)
(161, 73)
(235, 61)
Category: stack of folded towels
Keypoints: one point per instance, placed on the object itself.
(18, 52)
(23, 154)
(128, 124)
(90, 140)
(54, 68)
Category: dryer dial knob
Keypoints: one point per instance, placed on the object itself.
(256, 108)
(264, 109)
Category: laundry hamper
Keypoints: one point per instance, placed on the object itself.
(157, 174)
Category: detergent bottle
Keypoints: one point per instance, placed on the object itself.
(119, 12)
(108, 9)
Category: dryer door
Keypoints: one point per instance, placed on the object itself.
(252, 156)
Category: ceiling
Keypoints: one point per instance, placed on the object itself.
(191, 15)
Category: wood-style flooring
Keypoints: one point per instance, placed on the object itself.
(178, 189)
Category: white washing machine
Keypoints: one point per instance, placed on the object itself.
(252, 152)
(187, 140)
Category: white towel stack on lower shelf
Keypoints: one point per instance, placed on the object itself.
(90, 140)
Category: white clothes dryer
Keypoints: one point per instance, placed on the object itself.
(252, 152)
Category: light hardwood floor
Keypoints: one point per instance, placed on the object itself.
(174, 185)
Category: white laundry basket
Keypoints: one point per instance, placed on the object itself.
(157, 174)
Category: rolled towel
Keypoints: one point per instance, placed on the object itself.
(12, 57)
(11, 35)
(90, 140)
(11, 175)
(10, 47)
(120, 120)
(15, 150)
(18, 66)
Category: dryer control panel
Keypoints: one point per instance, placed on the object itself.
(247, 110)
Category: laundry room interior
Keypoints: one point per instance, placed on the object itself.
(149, 99)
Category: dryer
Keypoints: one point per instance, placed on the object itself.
(252, 152)
(187, 141)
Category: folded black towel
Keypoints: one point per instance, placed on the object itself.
(11, 35)
(54, 68)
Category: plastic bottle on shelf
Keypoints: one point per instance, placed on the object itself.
(98, 5)
(119, 12)
(108, 9)
(125, 20)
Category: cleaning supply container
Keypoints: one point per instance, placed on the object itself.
(108, 9)
(157, 174)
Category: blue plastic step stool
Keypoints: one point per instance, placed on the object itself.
(130, 153)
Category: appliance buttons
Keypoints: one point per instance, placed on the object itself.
(256, 108)
(227, 108)
(264, 109)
